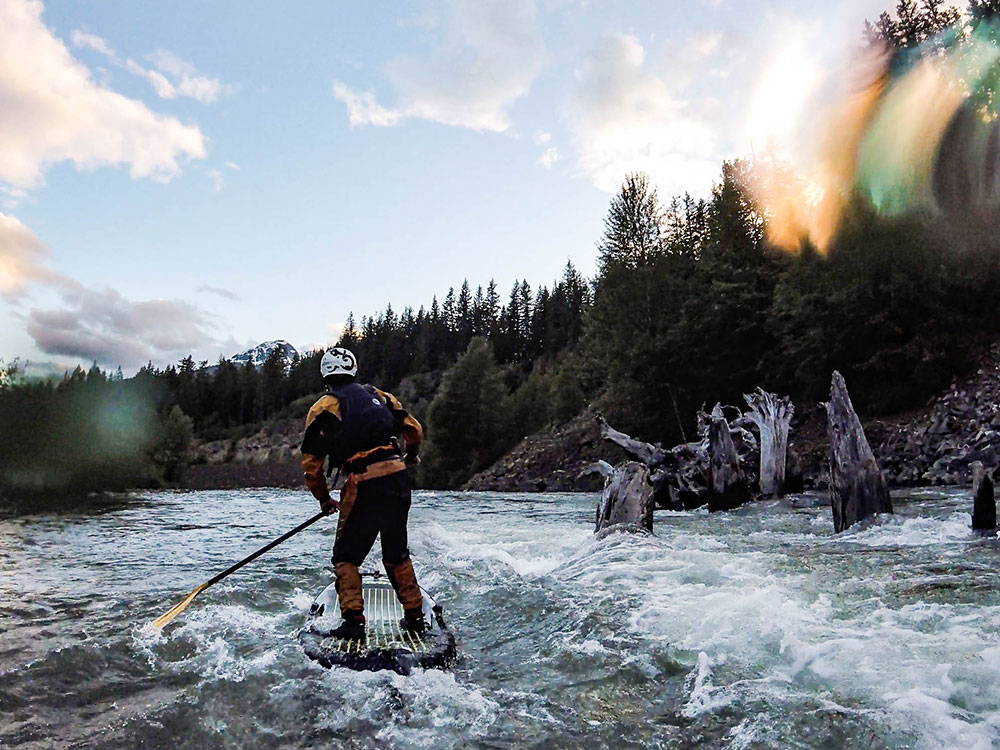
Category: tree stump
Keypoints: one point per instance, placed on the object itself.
(772, 415)
(627, 499)
(984, 509)
(857, 487)
(727, 486)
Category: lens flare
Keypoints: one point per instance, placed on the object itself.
(804, 191)
(916, 134)
(900, 151)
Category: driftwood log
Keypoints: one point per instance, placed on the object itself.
(645, 453)
(857, 487)
(727, 485)
(627, 500)
(652, 456)
(773, 415)
(682, 476)
(984, 509)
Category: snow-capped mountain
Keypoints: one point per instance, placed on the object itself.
(260, 353)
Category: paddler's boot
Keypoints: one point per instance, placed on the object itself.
(352, 603)
(413, 621)
(404, 581)
(352, 628)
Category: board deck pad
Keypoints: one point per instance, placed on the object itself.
(387, 645)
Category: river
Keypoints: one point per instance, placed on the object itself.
(750, 629)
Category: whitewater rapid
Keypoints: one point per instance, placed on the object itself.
(757, 628)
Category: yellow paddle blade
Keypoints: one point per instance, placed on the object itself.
(166, 617)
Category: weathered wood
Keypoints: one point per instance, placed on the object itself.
(646, 453)
(857, 488)
(602, 468)
(984, 509)
(773, 415)
(727, 486)
(627, 499)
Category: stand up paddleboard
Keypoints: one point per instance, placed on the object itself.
(386, 646)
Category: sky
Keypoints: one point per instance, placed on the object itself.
(193, 177)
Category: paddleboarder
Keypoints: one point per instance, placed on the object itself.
(371, 440)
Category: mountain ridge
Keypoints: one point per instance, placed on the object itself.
(258, 354)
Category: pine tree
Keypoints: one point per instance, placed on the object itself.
(464, 419)
(480, 326)
(350, 337)
(492, 308)
(633, 233)
(463, 314)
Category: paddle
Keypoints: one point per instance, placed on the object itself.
(163, 619)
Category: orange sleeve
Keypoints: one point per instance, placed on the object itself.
(312, 469)
(315, 446)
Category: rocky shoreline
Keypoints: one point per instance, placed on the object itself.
(959, 427)
(267, 458)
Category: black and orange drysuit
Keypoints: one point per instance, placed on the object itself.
(365, 433)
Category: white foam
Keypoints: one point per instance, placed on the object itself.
(763, 615)
(909, 532)
(702, 694)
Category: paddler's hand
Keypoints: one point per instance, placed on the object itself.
(329, 506)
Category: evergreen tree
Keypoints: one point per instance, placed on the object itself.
(914, 24)
(350, 337)
(464, 419)
(491, 308)
(633, 230)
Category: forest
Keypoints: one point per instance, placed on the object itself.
(692, 303)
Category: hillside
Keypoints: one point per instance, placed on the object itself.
(551, 460)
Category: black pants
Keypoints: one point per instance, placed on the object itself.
(382, 507)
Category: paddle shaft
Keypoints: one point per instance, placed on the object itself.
(266, 548)
(170, 614)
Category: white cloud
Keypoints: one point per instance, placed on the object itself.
(541, 137)
(54, 111)
(187, 81)
(92, 42)
(22, 259)
(233, 166)
(490, 54)
(161, 85)
(363, 109)
(705, 44)
(549, 157)
(170, 76)
(626, 119)
(218, 180)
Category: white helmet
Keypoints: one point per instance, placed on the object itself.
(338, 361)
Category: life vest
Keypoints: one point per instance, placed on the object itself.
(365, 423)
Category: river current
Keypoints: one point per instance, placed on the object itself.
(757, 628)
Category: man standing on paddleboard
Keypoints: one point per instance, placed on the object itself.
(371, 440)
